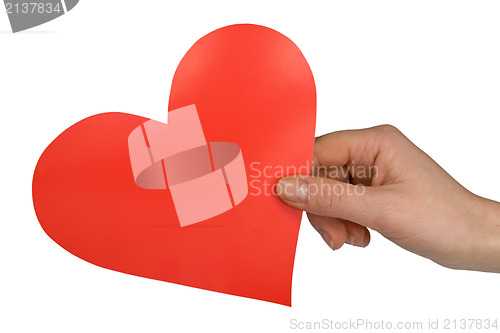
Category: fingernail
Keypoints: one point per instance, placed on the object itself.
(350, 239)
(293, 189)
(327, 239)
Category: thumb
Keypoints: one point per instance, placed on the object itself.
(329, 197)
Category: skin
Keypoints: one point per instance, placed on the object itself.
(377, 179)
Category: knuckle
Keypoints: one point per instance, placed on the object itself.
(325, 198)
(389, 129)
(390, 135)
(335, 201)
(321, 140)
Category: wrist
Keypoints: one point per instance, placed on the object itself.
(485, 253)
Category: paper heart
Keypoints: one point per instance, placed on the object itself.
(25, 14)
(251, 86)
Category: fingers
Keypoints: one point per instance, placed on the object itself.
(340, 148)
(357, 235)
(357, 151)
(335, 232)
(334, 172)
(332, 230)
(337, 192)
(332, 198)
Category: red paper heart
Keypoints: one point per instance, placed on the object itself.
(251, 86)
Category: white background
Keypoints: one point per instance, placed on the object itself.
(431, 68)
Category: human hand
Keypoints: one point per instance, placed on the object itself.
(405, 196)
